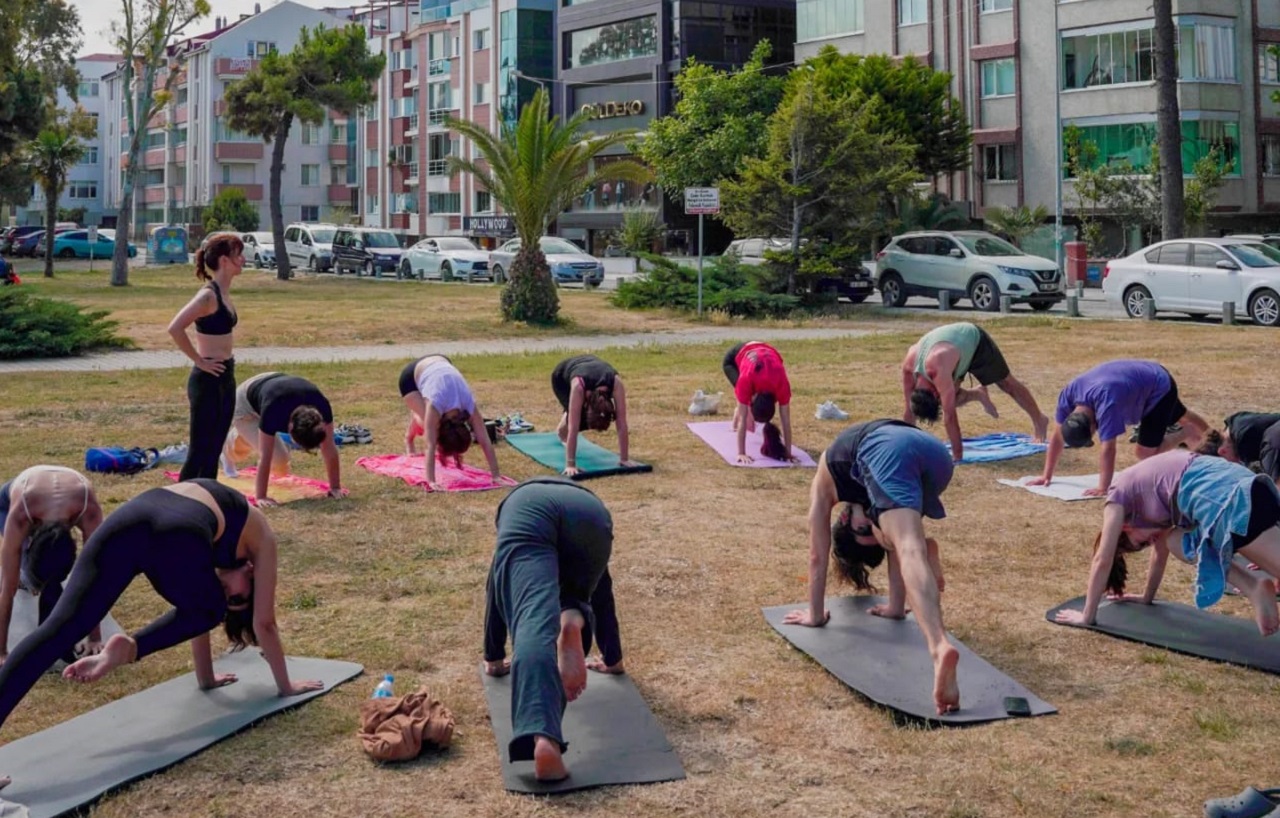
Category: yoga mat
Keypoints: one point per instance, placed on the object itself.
(284, 489)
(613, 738)
(886, 660)
(720, 436)
(1069, 489)
(76, 762)
(999, 446)
(1185, 629)
(546, 448)
(26, 616)
(412, 469)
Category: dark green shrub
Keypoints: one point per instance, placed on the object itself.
(726, 285)
(32, 326)
(530, 294)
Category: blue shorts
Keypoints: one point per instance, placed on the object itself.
(904, 467)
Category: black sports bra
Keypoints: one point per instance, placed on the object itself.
(235, 513)
(222, 320)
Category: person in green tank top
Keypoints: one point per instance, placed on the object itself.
(934, 368)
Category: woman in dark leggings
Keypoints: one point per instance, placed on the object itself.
(592, 395)
(205, 550)
(549, 585)
(211, 387)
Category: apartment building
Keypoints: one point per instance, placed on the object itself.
(1102, 81)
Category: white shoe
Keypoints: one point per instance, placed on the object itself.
(829, 411)
(228, 468)
(704, 404)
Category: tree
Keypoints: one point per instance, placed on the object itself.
(535, 170)
(329, 69)
(143, 35)
(53, 153)
(1017, 222)
(934, 211)
(825, 167)
(719, 120)
(72, 214)
(641, 229)
(1168, 121)
(230, 210)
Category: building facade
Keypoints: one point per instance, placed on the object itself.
(1018, 102)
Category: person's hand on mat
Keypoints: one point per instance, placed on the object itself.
(210, 366)
(570, 471)
(220, 680)
(597, 664)
(1137, 598)
(802, 618)
(336, 494)
(1096, 491)
(1070, 617)
(746, 458)
(887, 611)
(1039, 481)
(499, 668)
(298, 688)
(266, 502)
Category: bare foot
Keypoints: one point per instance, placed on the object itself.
(597, 664)
(985, 399)
(548, 761)
(946, 692)
(1264, 606)
(1040, 431)
(119, 650)
(499, 668)
(573, 660)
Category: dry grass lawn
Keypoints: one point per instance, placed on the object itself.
(393, 578)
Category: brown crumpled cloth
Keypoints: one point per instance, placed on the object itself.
(397, 728)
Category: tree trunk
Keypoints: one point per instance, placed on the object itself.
(1168, 123)
(120, 255)
(283, 267)
(50, 222)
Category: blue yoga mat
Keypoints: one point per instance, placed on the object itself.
(546, 448)
(999, 446)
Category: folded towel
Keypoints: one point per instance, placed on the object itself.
(412, 470)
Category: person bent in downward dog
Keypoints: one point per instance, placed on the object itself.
(1109, 397)
(1251, 438)
(937, 363)
(892, 475)
(592, 394)
(549, 585)
(1218, 507)
(760, 384)
(38, 509)
(205, 550)
(273, 403)
(442, 409)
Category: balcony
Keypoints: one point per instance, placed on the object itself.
(411, 173)
(438, 167)
(338, 195)
(411, 129)
(178, 154)
(437, 116)
(338, 153)
(437, 68)
(411, 81)
(180, 114)
(234, 67)
(154, 158)
(154, 195)
(224, 151)
(251, 192)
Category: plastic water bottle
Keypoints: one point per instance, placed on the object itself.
(383, 690)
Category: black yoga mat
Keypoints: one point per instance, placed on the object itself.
(73, 764)
(1185, 629)
(613, 738)
(887, 661)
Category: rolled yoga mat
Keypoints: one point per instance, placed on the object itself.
(74, 763)
(999, 446)
(612, 735)
(887, 661)
(1184, 629)
(412, 470)
(1068, 489)
(546, 448)
(719, 435)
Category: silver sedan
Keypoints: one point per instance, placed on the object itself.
(568, 263)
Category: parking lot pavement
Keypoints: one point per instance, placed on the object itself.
(35, 266)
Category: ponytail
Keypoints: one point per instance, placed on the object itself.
(772, 447)
(201, 273)
(218, 247)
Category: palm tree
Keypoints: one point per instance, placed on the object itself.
(52, 154)
(535, 170)
(1016, 222)
(932, 212)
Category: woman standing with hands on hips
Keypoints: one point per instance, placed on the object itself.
(211, 387)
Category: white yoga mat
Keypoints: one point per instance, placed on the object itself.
(26, 614)
(1069, 488)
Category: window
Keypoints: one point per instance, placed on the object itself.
(90, 156)
(226, 174)
(88, 88)
(223, 133)
(484, 202)
(481, 39)
(82, 190)
(1206, 255)
(816, 19)
(337, 132)
(438, 96)
(438, 46)
(310, 134)
(178, 137)
(1269, 64)
(911, 12)
(155, 139)
(1114, 58)
(371, 158)
(1131, 143)
(996, 5)
(93, 121)
(997, 78)
(623, 40)
(480, 94)
(1207, 51)
(372, 203)
(310, 213)
(444, 202)
(525, 41)
(1000, 163)
(337, 174)
(1270, 150)
(259, 49)
(310, 175)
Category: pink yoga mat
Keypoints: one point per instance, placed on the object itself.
(720, 436)
(284, 489)
(412, 470)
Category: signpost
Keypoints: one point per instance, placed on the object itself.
(700, 201)
(93, 246)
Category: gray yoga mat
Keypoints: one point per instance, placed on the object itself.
(613, 738)
(887, 661)
(73, 764)
(1185, 629)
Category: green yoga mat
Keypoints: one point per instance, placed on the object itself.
(546, 448)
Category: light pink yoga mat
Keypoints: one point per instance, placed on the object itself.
(412, 470)
(719, 435)
(284, 489)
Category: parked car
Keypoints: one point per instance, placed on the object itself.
(568, 263)
(36, 248)
(260, 248)
(1272, 240)
(310, 245)
(855, 284)
(969, 264)
(13, 234)
(1196, 276)
(25, 244)
(366, 250)
(76, 244)
(445, 257)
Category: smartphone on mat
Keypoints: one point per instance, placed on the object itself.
(1017, 706)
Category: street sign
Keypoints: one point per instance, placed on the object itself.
(700, 201)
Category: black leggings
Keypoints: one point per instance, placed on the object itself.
(163, 535)
(213, 403)
(731, 364)
(1264, 511)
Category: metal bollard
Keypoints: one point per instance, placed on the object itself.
(1149, 311)
(1006, 304)
(1073, 306)
(944, 300)
(1228, 313)
(1079, 289)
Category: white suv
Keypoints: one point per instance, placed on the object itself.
(969, 264)
(310, 245)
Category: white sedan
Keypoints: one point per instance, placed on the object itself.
(445, 258)
(1197, 276)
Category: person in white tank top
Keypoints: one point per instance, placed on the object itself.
(443, 411)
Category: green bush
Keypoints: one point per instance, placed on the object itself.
(530, 294)
(726, 286)
(32, 326)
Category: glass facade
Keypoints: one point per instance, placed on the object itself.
(723, 34)
(816, 19)
(997, 78)
(623, 40)
(1132, 143)
(1206, 53)
(525, 40)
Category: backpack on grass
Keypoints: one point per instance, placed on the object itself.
(119, 460)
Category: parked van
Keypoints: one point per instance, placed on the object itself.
(368, 250)
(310, 245)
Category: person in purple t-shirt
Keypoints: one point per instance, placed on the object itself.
(1108, 398)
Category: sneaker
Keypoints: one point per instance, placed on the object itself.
(175, 454)
(363, 435)
(829, 411)
(344, 435)
(704, 404)
(228, 467)
(517, 424)
(1175, 428)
